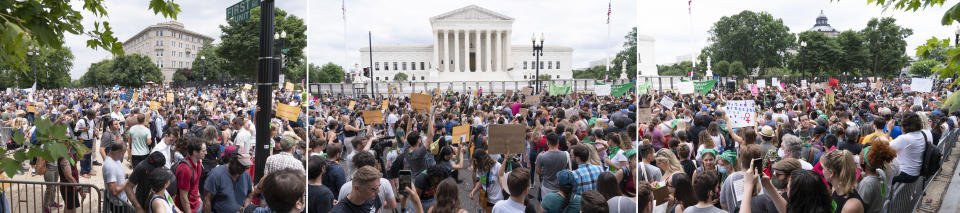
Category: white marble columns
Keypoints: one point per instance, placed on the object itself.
(436, 50)
(466, 51)
(446, 51)
(479, 52)
(456, 51)
(506, 64)
(489, 59)
(498, 60)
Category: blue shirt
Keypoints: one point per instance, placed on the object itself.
(228, 195)
(586, 177)
(334, 178)
(894, 133)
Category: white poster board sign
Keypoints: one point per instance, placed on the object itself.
(921, 84)
(686, 87)
(667, 102)
(741, 113)
(776, 83)
(761, 83)
(602, 90)
(803, 84)
(917, 101)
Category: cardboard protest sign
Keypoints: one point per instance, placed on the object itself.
(169, 97)
(372, 117)
(351, 104)
(385, 105)
(504, 137)
(527, 91)
(741, 113)
(601, 90)
(247, 86)
(31, 108)
(288, 86)
(420, 101)
(461, 133)
(287, 112)
(136, 96)
(661, 194)
(154, 105)
(509, 92)
(533, 99)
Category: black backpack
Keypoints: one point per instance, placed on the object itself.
(931, 158)
(172, 188)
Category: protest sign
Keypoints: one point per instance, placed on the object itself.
(741, 113)
(803, 84)
(921, 84)
(754, 90)
(31, 108)
(533, 99)
(776, 82)
(506, 138)
(169, 97)
(288, 86)
(154, 105)
(351, 104)
(704, 87)
(601, 90)
(247, 87)
(385, 105)
(287, 112)
(420, 101)
(461, 133)
(372, 117)
(667, 102)
(686, 88)
(509, 92)
(761, 83)
(528, 91)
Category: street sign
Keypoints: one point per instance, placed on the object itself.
(241, 10)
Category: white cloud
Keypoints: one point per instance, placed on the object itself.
(677, 34)
(572, 23)
(130, 17)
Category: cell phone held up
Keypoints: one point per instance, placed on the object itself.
(758, 165)
(405, 180)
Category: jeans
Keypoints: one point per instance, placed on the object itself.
(426, 204)
(50, 192)
(85, 163)
(903, 178)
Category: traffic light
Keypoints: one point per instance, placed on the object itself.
(366, 72)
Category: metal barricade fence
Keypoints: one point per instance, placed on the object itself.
(488, 87)
(31, 196)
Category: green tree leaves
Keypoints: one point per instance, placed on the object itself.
(755, 39)
(885, 41)
(925, 67)
(53, 142)
(44, 24)
(240, 43)
(400, 77)
(132, 70)
(629, 53)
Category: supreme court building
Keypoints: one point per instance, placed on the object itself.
(470, 44)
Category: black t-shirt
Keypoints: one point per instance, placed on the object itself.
(688, 167)
(139, 177)
(370, 206)
(319, 198)
(424, 187)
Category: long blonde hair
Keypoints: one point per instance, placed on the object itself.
(843, 167)
(670, 159)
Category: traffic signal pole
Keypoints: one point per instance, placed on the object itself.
(370, 43)
(264, 88)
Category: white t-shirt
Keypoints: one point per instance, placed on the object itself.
(909, 148)
(508, 206)
(244, 141)
(113, 171)
(494, 193)
(164, 149)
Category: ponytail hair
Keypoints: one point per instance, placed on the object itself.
(841, 164)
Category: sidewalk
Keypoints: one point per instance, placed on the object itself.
(936, 198)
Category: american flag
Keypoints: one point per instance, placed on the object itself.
(609, 9)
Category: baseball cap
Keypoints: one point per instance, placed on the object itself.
(287, 142)
(566, 177)
(245, 159)
(228, 150)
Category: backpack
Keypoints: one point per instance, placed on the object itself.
(172, 188)
(931, 158)
(76, 134)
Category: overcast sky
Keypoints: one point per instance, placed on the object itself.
(677, 34)
(128, 17)
(574, 23)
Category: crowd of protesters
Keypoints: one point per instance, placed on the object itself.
(195, 153)
(577, 151)
(831, 147)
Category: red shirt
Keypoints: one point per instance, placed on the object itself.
(186, 183)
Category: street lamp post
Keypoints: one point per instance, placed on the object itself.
(34, 51)
(803, 52)
(280, 37)
(203, 70)
(537, 51)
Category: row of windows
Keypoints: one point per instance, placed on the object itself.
(400, 66)
(159, 53)
(550, 64)
(412, 78)
(159, 33)
(175, 64)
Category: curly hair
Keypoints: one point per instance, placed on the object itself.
(482, 161)
(879, 153)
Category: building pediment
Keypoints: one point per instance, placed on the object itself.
(471, 13)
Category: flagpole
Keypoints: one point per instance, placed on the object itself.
(346, 59)
(607, 53)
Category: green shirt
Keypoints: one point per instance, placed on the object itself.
(553, 202)
(139, 135)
